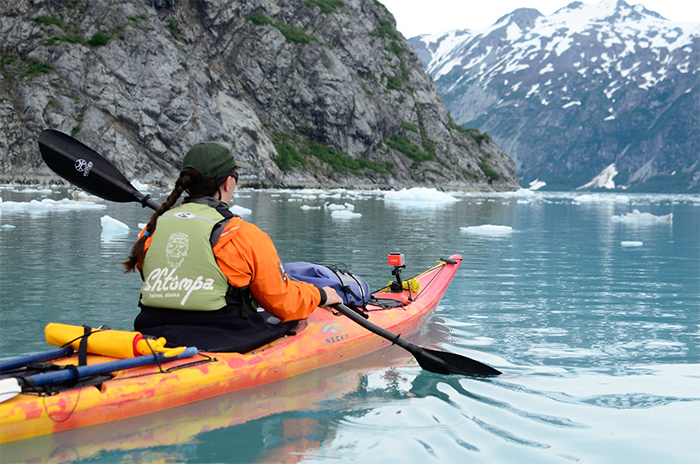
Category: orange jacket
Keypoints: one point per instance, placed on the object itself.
(247, 256)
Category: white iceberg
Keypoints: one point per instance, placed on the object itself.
(487, 229)
(419, 196)
(48, 205)
(638, 218)
(336, 207)
(345, 214)
(631, 243)
(241, 211)
(307, 207)
(606, 198)
(111, 226)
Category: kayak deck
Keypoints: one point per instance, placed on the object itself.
(323, 339)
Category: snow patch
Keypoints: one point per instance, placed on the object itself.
(537, 184)
(602, 180)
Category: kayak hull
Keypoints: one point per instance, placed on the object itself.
(321, 340)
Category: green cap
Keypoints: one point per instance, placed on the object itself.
(211, 159)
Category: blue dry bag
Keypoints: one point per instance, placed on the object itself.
(353, 289)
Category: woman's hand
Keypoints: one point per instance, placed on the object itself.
(332, 297)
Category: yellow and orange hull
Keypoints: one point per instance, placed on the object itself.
(321, 340)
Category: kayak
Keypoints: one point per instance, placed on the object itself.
(323, 339)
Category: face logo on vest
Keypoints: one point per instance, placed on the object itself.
(176, 250)
(185, 215)
(83, 166)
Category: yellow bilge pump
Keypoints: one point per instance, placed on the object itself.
(107, 342)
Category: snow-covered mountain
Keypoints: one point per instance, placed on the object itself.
(606, 89)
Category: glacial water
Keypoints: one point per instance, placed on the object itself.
(589, 308)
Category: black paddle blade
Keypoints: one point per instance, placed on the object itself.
(84, 167)
(443, 362)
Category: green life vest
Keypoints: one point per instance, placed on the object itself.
(179, 269)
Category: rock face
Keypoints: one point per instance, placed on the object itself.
(312, 92)
(571, 94)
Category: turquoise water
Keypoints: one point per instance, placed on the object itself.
(594, 322)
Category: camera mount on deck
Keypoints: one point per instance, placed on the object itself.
(396, 260)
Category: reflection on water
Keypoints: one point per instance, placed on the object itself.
(597, 340)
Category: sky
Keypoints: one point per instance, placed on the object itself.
(415, 17)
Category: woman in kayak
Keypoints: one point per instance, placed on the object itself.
(205, 270)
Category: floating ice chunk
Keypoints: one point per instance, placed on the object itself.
(337, 195)
(142, 225)
(336, 207)
(607, 198)
(8, 226)
(33, 190)
(307, 207)
(345, 214)
(47, 205)
(111, 226)
(635, 217)
(487, 229)
(415, 195)
(241, 211)
(631, 243)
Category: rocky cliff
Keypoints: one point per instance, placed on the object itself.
(586, 94)
(312, 92)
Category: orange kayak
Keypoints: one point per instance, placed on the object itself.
(325, 338)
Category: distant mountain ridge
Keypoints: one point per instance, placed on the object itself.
(587, 89)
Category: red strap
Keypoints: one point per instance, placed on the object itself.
(135, 344)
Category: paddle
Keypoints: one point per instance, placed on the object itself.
(64, 152)
(440, 362)
(21, 361)
(11, 387)
(84, 167)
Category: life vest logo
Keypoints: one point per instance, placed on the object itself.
(334, 328)
(176, 250)
(280, 266)
(83, 166)
(185, 215)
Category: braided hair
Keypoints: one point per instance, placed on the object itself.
(190, 181)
